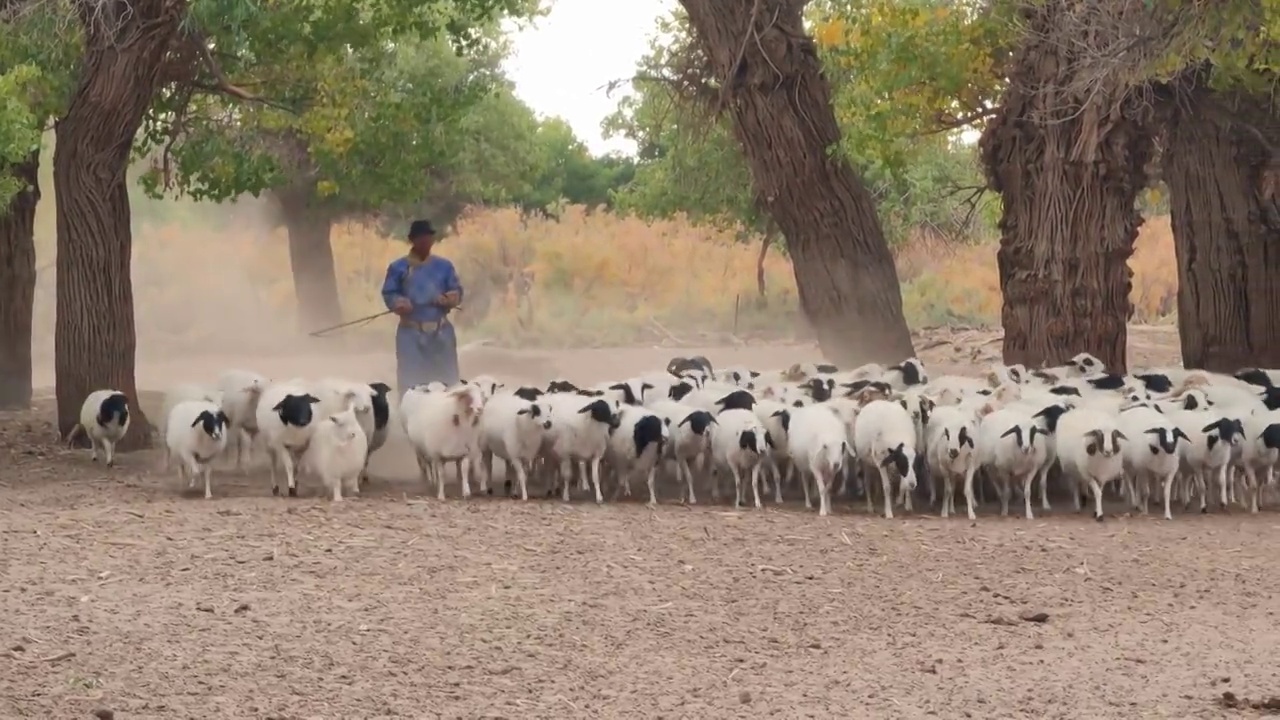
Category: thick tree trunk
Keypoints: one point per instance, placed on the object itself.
(315, 278)
(1068, 171)
(18, 284)
(780, 104)
(95, 340)
(1224, 190)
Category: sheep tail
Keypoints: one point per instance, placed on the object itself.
(76, 430)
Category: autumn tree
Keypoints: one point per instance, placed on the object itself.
(1221, 128)
(754, 61)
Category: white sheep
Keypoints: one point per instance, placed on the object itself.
(1009, 449)
(1089, 450)
(885, 436)
(104, 419)
(336, 452)
(1214, 435)
(513, 429)
(818, 441)
(195, 433)
(284, 417)
(241, 391)
(740, 442)
(951, 452)
(1154, 455)
(636, 445)
(1260, 451)
(445, 427)
(580, 433)
(690, 439)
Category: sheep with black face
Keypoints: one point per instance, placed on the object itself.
(104, 419)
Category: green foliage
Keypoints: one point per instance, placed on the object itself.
(568, 173)
(359, 104)
(19, 125)
(693, 165)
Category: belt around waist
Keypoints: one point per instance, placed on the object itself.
(429, 326)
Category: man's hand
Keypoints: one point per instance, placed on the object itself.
(402, 306)
(448, 300)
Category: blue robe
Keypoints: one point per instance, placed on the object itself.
(423, 356)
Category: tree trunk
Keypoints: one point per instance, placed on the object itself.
(780, 104)
(1068, 170)
(1224, 190)
(315, 278)
(765, 241)
(95, 340)
(18, 285)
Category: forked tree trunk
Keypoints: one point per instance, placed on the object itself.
(1224, 187)
(315, 278)
(18, 284)
(95, 340)
(780, 104)
(1068, 178)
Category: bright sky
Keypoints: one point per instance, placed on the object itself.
(561, 65)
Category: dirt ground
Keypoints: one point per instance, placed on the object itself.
(120, 592)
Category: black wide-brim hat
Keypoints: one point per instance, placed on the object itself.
(419, 228)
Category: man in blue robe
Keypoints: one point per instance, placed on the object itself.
(422, 288)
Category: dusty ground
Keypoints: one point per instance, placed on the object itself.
(391, 606)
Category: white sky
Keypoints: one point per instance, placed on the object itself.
(561, 64)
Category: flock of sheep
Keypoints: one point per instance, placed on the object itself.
(1170, 433)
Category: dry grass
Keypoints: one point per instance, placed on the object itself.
(585, 279)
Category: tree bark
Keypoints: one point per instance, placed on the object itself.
(1068, 165)
(18, 285)
(765, 241)
(95, 340)
(1224, 203)
(315, 277)
(759, 52)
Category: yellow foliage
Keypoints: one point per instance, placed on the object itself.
(586, 279)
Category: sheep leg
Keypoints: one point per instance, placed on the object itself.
(335, 484)
(1202, 487)
(566, 477)
(785, 478)
(1096, 491)
(244, 443)
(207, 471)
(653, 495)
(595, 480)
(865, 480)
(737, 487)
(1168, 493)
(1026, 493)
(1003, 490)
(682, 466)
(464, 475)
(1221, 478)
(886, 484)
(755, 485)
(1075, 495)
(804, 485)
(1231, 479)
(1251, 487)
(582, 477)
(437, 476)
(291, 480)
(844, 481)
(933, 488)
(1044, 486)
(823, 482)
(947, 491)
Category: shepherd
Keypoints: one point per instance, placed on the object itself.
(422, 289)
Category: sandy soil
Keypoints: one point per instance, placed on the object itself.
(250, 606)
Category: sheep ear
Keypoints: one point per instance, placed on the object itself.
(524, 411)
(279, 406)
(1117, 434)
(1177, 432)
(586, 409)
(888, 460)
(779, 413)
(1209, 427)
(197, 420)
(311, 398)
(1010, 431)
(1153, 431)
